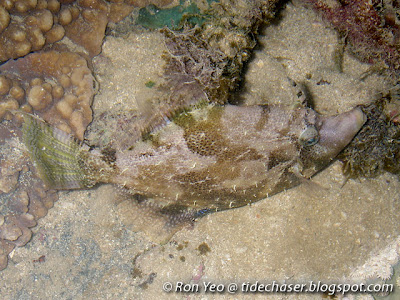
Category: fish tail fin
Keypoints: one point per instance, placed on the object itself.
(61, 160)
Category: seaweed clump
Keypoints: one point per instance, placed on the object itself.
(376, 148)
(372, 28)
(205, 63)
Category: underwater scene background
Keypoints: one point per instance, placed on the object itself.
(339, 228)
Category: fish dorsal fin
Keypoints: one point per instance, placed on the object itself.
(174, 114)
(124, 128)
(120, 129)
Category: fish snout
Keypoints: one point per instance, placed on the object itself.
(357, 118)
(337, 131)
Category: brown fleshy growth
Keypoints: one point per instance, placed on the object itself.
(23, 197)
(57, 86)
(203, 248)
(5, 248)
(371, 27)
(118, 11)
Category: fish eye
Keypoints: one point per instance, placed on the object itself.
(309, 136)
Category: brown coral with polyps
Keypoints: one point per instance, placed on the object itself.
(89, 24)
(57, 86)
(27, 26)
(30, 25)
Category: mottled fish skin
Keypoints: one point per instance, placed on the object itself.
(221, 157)
(209, 158)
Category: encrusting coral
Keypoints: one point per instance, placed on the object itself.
(23, 196)
(27, 26)
(57, 86)
(31, 25)
(380, 265)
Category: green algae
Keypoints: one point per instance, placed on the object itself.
(150, 84)
(152, 17)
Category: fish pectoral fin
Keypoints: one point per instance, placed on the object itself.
(347, 177)
(158, 220)
(311, 185)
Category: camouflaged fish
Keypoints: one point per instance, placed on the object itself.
(205, 159)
